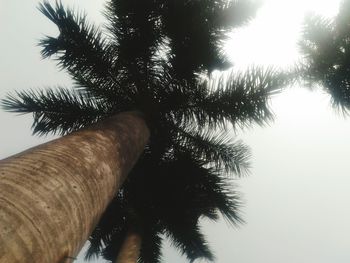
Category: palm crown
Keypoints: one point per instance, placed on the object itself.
(156, 58)
(326, 48)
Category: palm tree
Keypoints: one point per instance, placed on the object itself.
(148, 64)
(326, 48)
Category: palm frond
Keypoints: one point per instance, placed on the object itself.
(95, 246)
(235, 13)
(136, 38)
(239, 99)
(318, 44)
(112, 224)
(192, 190)
(56, 110)
(204, 192)
(80, 48)
(112, 248)
(317, 32)
(216, 148)
(194, 41)
(189, 240)
(151, 246)
(326, 48)
(223, 196)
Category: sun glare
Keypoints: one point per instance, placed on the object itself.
(271, 38)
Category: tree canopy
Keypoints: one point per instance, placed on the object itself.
(155, 57)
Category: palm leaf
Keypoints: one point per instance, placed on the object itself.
(219, 149)
(81, 49)
(57, 110)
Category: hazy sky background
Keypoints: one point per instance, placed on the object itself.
(297, 198)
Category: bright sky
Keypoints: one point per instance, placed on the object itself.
(296, 200)
(271, 37)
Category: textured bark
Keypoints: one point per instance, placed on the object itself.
(130, 250)
(52, 195)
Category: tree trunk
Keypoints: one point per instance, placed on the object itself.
(130, 250)
(52, 195)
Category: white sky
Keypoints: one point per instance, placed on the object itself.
(271, 37)
(297, 198)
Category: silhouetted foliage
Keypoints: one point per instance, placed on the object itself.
(326, 48)
(156, 56)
